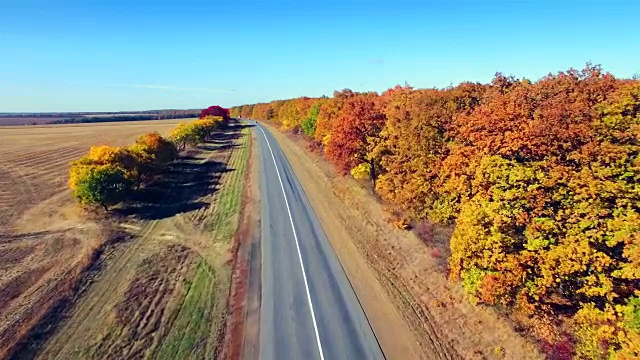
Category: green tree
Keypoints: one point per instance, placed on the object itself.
(309, 123)
(102, 185)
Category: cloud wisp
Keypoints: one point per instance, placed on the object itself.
(177, 88)
(156, 87)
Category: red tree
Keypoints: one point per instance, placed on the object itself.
(215, 111)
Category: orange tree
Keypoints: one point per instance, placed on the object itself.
(414, 143)
(327, 114)
(539, 178)
(105, 175)
(186, 134)
(246, 111)
(356, 132)
(151, 153)
(552, 219)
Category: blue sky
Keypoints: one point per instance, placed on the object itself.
(134, 55)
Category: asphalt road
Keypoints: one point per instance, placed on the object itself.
(308, 308)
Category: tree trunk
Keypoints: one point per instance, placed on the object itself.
(372, 163)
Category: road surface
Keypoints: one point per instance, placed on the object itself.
(308, 309)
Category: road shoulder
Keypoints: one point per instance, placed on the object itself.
(395, 337)
(243, 322)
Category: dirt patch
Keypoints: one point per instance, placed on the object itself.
(70, 288)
(414, 310)
(44, 268)
(18, 284)
(161, 269)
(140, 315)
(14, 255)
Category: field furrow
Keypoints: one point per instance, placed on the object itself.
(41, 228)
(163, 293)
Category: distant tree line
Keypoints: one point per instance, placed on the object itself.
(541, 181)
(93, 117)
(78, 114)
(116, 118)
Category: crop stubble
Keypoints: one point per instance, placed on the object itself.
(45, 240)
(163, 294)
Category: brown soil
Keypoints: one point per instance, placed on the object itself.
(46, 242)
(140, 315)
(163, 293)
(414, 310)
(251, 334)
(241, 333)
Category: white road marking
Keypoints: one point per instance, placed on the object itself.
(295, 236)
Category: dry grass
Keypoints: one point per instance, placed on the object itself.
(163, 294)
(45, 240)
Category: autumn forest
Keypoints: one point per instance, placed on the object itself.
(539, 180)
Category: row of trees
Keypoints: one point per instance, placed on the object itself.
(76, 118)
(107, 174)
(191, 134)
(541, 180)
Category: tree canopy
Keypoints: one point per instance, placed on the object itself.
(539, 180)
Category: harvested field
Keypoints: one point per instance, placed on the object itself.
(45, 239)
(139, 316)
(34, 160)
(163, 293)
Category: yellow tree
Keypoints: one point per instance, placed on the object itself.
(182, 135)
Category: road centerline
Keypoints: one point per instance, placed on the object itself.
(295, 236)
